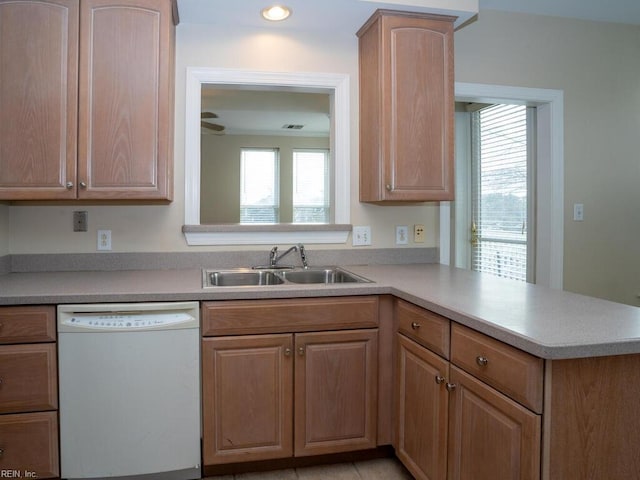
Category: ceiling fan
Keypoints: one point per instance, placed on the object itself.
(211, 126)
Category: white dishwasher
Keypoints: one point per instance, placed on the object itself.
(129, 377)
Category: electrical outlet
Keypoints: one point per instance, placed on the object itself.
(402, 235)
(361, 236)
(418, 233)
(104, 239)
(80, 221)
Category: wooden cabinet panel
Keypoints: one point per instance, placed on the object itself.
(335, 391)
(422, 406)
(514, 372)
(27, 324)
(425, 327)
(38, 98)
(288, 315)
(490, 435)
(592, 418)
(126, 80)
(29, 444)
(86, 104)
(407, 107)
(247, 388)
(28, 376)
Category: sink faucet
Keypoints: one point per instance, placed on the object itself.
(274, 257)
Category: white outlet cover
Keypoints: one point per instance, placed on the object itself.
(104, 240)
(402, 235)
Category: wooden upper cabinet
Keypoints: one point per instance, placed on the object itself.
(126, 100)
(406, 107)
(38, 98)
(86, 104)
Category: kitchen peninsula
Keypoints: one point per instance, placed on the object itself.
(588, 350)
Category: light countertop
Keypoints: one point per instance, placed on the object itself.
(548, 323)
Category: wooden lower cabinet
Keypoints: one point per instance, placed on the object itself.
(247, 390)
(28, 393)
(250, 397)
(490, 436)
(335, 391)
(423, 405)
(29, 445)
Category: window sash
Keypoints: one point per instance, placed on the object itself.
(501, 191)
(259, 185)
(311, 188)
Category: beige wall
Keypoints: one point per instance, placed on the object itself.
(597, 65)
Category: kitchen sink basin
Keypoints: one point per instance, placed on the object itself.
(322, 275)
(251, 277)
(238, 278)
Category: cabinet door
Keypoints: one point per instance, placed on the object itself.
(29, 445)
(335, 391)
(247, 398)
(28, 377)
(490, 435)
(38, 98)
(422, 403)
(407, 108)
(126, 85)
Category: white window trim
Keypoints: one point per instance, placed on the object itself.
(338, 231)
(550, 174)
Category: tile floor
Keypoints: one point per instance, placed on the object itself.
(378, 469)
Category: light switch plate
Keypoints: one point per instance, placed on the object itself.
(361, 236)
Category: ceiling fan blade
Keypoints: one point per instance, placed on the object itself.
(208, 115)
(212, 126)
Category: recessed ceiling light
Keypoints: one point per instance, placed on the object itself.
(276, 13)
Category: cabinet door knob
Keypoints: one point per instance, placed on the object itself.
(415, 325)
(451, 387)
(83, 185)
(482, 361)
(287, 352)
(69, 185)
(440, 379)
(300, 351)
(388, 187)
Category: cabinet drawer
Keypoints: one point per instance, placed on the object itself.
(425, 327)
(28, 378)
(288, 315)
(515, 373)
(27, 324)
(29, 444)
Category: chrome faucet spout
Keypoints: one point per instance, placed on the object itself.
(274, 258)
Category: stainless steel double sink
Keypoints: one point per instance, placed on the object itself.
(238, 277)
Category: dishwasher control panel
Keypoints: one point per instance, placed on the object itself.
(128, 317)
(126, 321)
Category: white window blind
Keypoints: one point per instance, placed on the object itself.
(311, 199)
(499, 191)
(259, 180)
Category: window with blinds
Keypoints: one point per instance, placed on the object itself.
(311, 199)
(500, 191)
(259, 185)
